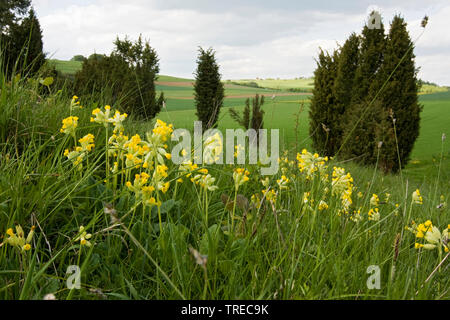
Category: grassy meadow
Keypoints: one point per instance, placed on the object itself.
(76, 192)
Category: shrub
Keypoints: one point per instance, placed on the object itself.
(126, 76)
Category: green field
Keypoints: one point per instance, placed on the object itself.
(66, 67)
(281, 114)
(305, 84)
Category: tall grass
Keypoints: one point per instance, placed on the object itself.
(284, 249)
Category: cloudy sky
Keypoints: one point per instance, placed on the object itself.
(252, 38)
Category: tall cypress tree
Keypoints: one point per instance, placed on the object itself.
(322, 113)
(399, 99)
(208, 88)
(344, 84)
(359, 142)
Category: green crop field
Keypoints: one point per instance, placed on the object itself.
(305, 84)
(66, 67)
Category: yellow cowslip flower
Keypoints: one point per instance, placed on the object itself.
(431, 234)
(283, 182)
(187, 167)
(100, 116)
(374, 214)
(162, 130)
(84, 237)
(77, 155)
(416, 197)
(117, 121)
(323, 205)
(255, 201)
(139, 181)
(75, 103)
(165, 187)
(87, 142)
(270, 195)
(212, 149)
(18, 239)
(238, 149)
(206, 181)
(161, 171)
(360, 194)
(418, 245)
(374, 201)
(265, 182)
(240, 176)
(69, 125)
(356, 216)
(306, 196)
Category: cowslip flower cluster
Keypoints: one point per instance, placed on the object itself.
(309, 163)
(155, 145)
(283, 182)
(142, 190)
(78, 154)
(212, 149)
(17, 239)
(240, 176)
(374, 214)
(431, 236)
(101, 117)
(84, 237)
(342, 186)
(416, 197)
(375, 200)
(323, 205)
(186, 169)
(69, 125)
(205, 180)
(270, 195)
(117, 121)
(75, 104)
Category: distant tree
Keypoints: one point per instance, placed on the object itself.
(360, 119)
(96, 56)
(208, 88)
(399, 99)
(251, 118)
(143, 62)
(322, 113)
(26, 47)
(79, 58)
(128, 75)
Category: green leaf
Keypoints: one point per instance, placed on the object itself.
(46, 82)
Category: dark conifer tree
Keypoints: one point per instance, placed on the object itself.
(359, 142)
(208, 88)
(322, 114)
(399, 99)
(26, 47)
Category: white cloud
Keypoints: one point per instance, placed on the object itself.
(267, 40)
